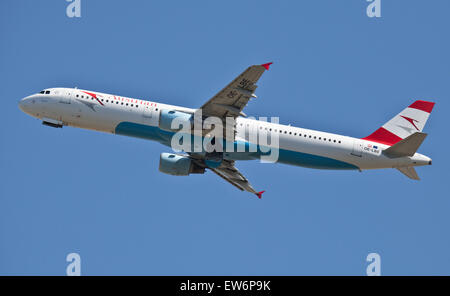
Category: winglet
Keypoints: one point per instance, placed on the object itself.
(259, 194)
(267, 65)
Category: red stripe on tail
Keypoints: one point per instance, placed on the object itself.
(422, 105)
(383, 136)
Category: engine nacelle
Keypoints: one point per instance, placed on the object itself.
(167, 116)
(178, 165)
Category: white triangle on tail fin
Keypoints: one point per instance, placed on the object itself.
(404, 124)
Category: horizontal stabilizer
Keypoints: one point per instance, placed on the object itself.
(406, 147)
(409, 172)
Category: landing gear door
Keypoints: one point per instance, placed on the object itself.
(357, 148)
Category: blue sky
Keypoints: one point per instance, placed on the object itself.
(336, 70)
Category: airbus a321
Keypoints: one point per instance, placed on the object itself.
(393, 145)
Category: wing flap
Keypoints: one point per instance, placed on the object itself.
(232, 175)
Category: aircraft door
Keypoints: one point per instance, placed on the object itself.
(64, 98)
(357, 148)
(72, 106)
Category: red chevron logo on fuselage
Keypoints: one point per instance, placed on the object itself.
(94, 96)
(410, 120)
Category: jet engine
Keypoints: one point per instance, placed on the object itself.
(178, 165)
(167, 116)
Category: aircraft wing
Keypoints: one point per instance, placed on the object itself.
(231, 100)
(230, 173)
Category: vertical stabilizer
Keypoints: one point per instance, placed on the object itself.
(404, 124)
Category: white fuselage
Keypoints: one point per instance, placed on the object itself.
(140, 118)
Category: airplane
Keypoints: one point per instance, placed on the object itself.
(393, 145)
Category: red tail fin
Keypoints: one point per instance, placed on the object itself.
(410, 120)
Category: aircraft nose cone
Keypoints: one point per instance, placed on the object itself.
(25, 104)
(22, 104)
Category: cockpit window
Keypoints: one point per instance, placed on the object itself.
(47, 92)
(42, 92)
